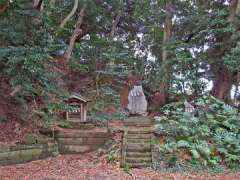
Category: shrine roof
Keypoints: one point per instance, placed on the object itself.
(79, 97)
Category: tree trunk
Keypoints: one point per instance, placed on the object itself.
(222, 83)
(164, 85)
(37, 4)
(115, 23)
(224, 78)
(116, 19)
(167, 30)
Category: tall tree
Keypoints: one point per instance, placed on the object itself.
(167, 33)
(224, 76)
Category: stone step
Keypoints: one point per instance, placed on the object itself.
(140, 130)
(135, 124)
(139, 136)
(138, 154)
(139, 144)
(82, 141)
(72, 149)
(139, 165)
(73, 133)
(138, 160)
(138, 121)
(79, 125)
(148, 140)
(138, 148)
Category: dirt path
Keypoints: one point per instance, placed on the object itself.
(89, 167)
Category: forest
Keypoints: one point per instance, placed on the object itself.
(184, 54)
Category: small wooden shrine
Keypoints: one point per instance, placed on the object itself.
(78, 111)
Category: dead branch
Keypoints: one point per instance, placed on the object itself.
(70, 14)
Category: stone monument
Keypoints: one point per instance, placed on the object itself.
(137, 103)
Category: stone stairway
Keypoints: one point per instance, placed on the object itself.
(81, 138)
(136, 144)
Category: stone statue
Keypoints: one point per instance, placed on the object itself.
(188, 107)
(137, 104)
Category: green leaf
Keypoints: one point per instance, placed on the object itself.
(182, 143)
(195, 154)
(209, 116)
(205, 151)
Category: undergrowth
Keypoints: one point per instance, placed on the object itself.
(208, 137)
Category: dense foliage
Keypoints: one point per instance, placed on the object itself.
(210, 137)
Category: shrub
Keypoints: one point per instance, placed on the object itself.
(211, 137)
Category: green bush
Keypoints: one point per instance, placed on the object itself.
(211, 136)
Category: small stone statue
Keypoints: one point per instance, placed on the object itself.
(137, 104)
(188, 107)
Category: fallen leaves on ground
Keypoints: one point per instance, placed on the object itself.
(90, 167)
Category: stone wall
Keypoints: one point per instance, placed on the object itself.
(15, 154)
(76, 140)
(81, 141)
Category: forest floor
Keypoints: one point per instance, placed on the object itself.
(91, 167)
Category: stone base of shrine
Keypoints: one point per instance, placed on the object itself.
(81, 140)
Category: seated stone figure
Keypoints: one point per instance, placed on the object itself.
(137, 104)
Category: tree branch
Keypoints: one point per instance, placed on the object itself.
(116, 20)
(115, 23)
(77, 32)
(70, 14)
